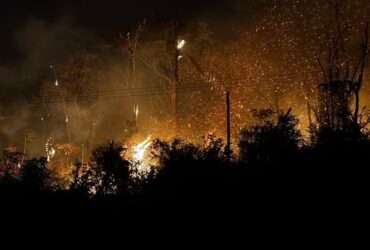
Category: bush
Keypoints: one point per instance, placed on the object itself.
(191, 169)
(270, 143)
(34, 174)
(108, 170)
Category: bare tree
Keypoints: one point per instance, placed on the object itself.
(343, 77)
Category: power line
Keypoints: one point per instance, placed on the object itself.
(117, 93)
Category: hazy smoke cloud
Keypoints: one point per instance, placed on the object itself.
(40, 44)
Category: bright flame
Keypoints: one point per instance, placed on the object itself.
(56, 83)
(50, 150)
(141, 162)
(181, 44)
(140, 149)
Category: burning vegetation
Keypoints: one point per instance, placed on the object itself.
(269, 93)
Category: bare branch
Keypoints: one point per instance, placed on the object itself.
(322, 69)
(156, 70)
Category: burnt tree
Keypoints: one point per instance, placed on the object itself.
(339, 94)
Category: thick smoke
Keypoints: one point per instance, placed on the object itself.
(39, 44)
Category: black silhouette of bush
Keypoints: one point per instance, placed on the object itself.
(190, 170)
(83, 179)
(339, 152)
(271, 143)
(325, 136)
(34, 175)
(109, 172)
(273, 163)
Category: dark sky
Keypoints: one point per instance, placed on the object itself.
(100, 14)
(105, 18)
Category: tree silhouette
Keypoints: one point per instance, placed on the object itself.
(109, 170)
(270, 143)
(190, 171)
(34, 174)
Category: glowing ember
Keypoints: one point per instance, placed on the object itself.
(181, 44)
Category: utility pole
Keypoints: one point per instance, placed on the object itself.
(228, 126)
(136, 117)
(25, 144)
(175, 46)
(25, 147)
(309, 114)
(175, 83)
(132, 45)
(82, 154)
(91, 138)
(132, 52)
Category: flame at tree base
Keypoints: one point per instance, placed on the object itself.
(140, 156)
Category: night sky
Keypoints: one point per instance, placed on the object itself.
(107, 18)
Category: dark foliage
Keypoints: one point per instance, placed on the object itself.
(275, 172)
(190, 170)
(325, 136)
(109, 171)
(339, 152)
(271, 143)
(34, 174)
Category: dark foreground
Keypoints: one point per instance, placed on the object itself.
(275, 181)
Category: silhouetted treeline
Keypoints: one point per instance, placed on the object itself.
(273, 163)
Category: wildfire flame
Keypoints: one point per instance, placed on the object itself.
(139, 157)
(140, 150)
(50, 150)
